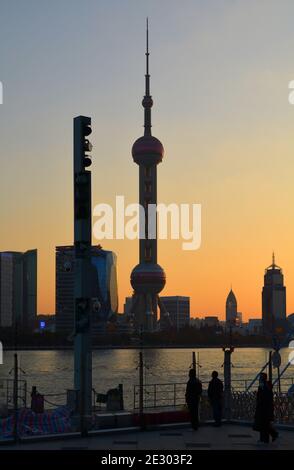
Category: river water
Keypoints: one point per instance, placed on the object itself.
(52, 371)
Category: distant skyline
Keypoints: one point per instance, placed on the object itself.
(220, 71)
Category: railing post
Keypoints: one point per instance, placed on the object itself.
(279, 381)
(15, 398)
(141, 390)
(194, 360)
(25, 392)
(227, 381)
(270, 367)
(121, 396)
(175, 394)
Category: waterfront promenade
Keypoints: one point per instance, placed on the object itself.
(228, 437)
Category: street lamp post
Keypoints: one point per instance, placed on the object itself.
(82, 284)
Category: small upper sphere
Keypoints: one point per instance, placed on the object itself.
(147, 150)
(147, 102)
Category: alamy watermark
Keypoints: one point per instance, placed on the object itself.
(133, 221)
(291, 94)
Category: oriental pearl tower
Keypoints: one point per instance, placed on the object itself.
(147, 278)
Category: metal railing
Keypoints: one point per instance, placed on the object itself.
(160, 395)
(21, 393)
(243, 406)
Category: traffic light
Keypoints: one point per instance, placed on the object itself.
(81, 315)
(82, 160)
(87, 144)
(82, 145)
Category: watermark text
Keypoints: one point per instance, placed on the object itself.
(133, 221)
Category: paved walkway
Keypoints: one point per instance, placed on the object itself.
(207, 437)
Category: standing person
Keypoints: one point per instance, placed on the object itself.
(215, 395)
(37, 401)
(34, 395)
(193, 393)
(264, 413)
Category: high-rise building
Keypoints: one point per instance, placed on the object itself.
(211, 322)
(103, 288)
(6, 292)
(147, 278)
(18, 289)
(239, 319)
(231, 309)
(178, 308)
(254, 326)
(29, 289)
(128, 305)
(196, 322)
(273, 299)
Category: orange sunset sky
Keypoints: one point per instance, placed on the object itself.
(219, 78)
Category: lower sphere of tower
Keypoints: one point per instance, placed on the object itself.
(148, 278)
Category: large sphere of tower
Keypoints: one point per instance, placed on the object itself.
(148, 278)
(147, 150)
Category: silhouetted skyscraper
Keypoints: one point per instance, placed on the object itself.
(103, 288)
(147, 278)
(231, 309)
(18, 289)
(178, 308)
(273, 299)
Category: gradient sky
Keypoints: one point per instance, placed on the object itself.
(219, 78)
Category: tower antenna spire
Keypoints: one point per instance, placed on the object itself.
(147, 76)
(147, 100)
(274, 261)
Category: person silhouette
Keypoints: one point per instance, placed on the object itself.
(264, 413)
(215, 395)
(193, 393)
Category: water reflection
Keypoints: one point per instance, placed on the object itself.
(52, 371)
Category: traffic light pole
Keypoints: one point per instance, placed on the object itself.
(82, 290)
